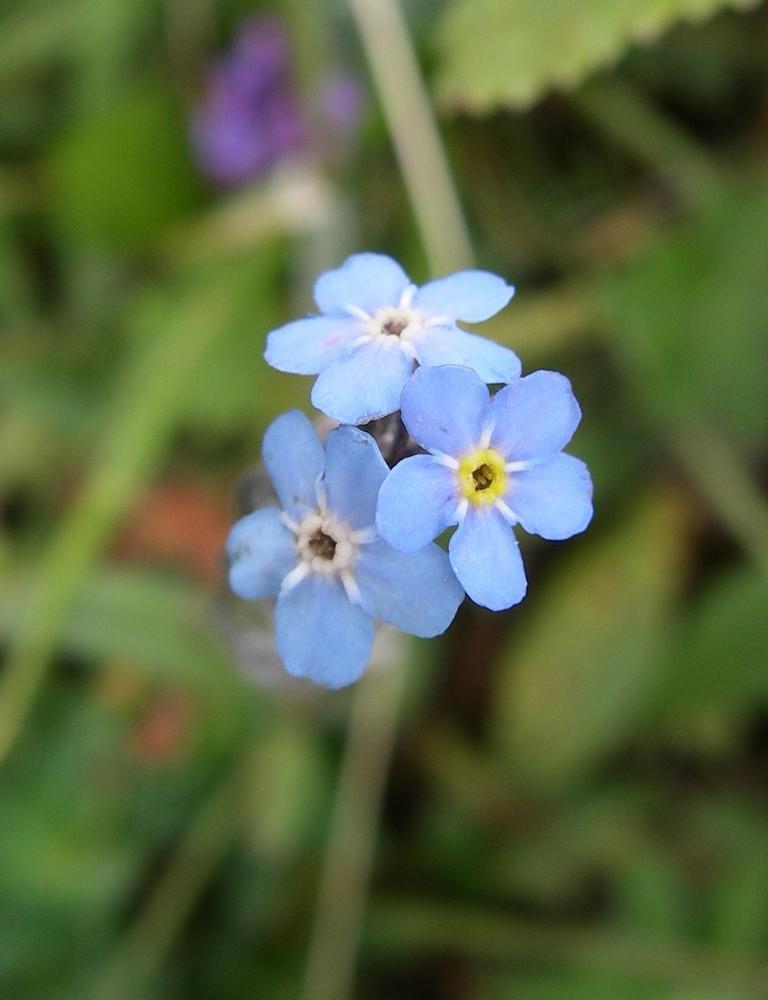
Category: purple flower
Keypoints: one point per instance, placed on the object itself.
(492, 463)
(340, 104)
(250, 116)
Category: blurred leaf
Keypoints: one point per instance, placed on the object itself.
(721, 655)
(536, 326)
(139, 617)
(109, 35)
(689, 316)
(577, 679)
(35, 35)
(60, 802)
(730, 833)
(138, 428)
(121, 175)
(287, 787)
(510, 52)
(595, 836)
(407, 926)
(239, 390)
(652, 895)
(573, 984)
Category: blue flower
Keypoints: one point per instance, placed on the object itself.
(492, 463)
(323, 557)
(375, 325)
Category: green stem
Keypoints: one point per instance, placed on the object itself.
(717, 469)
(627, 117)
(423, 163)
(351, 845)
(417, 927)
(352, 839)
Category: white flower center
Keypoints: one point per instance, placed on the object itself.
(328, 547)
(326, 544)
(399, 325)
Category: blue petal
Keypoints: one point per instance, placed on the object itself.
(320, 634)
(469, 295)
(487, 561)
(365, 384)
(369, 281)
(535, 416)
(417, 501)
(445, 345)
(354, 471)
(261, 553)
(309, 345)
(294, 459)
(445, 408)
(417, 593)
(553, 499)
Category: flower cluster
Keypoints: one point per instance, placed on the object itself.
(354, 538)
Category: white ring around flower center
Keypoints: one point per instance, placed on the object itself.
(399, 324)
(321, 530)
(344, 550)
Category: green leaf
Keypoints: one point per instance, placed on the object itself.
(593, 836)
(577, 678)
(572, 984)
(689, 317)
(652, 895)
(157, 623)
(719, 658)
(510, 52)
(287, 790)
(731, 831)
(123, 174)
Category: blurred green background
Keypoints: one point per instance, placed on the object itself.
(565, 801)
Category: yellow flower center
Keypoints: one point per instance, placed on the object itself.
(482, 479)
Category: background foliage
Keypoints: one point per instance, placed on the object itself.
(576, 803)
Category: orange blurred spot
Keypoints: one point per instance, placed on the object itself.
(182, 522)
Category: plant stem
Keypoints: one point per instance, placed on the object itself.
(632, 121)
(718, 470)
(418, 927)
(423, 163)
(352, 839)
(351, 846)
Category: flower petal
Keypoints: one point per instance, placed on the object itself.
(354, 471)
(307, 346)
(417, 501)
(320, 634)
(365, 384)
(468, 295)
(553, 499)
(534, 416)
(487, 561)
(445, 408)
(294, 459)
(369, 281)
(261, 553)
(417, 593)
(447, 345)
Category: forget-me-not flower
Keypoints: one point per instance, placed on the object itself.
(324, 559)
(492, 463)
(375, 326)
